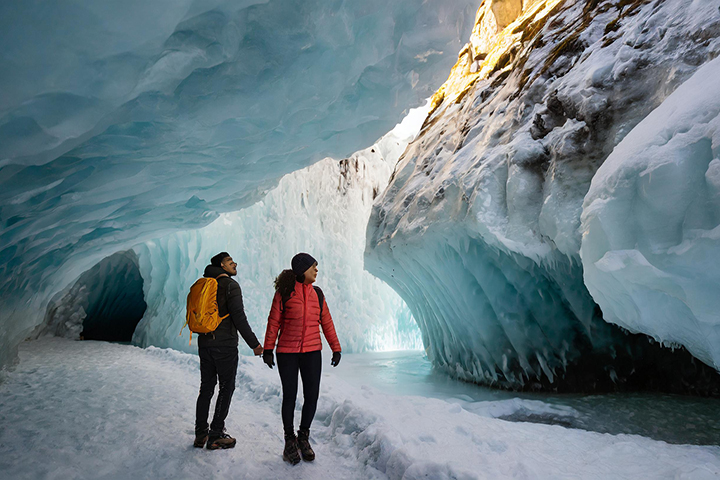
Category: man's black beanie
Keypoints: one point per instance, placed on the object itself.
(217, 259)
(301, 262)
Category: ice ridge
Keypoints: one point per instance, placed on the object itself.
(480, 227)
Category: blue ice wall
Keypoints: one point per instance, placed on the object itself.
(123, 121)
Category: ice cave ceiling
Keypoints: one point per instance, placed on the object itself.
(122, 120)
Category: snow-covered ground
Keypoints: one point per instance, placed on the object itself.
(97, 410)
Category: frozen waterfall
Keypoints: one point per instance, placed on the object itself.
(322, 209)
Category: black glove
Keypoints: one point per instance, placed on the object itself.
(336, 359)
(268, 358)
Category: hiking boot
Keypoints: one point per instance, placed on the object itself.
(303, 438)
(200, 439)
(291, 454)
(220, 440)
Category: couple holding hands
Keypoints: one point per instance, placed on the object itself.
(297, 314)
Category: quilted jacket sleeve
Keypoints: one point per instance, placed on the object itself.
(328, 328)
(273, 325)
(236, 309)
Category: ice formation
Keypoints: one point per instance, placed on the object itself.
(479, 228)
(175, 114)
(651, 222)
(322, 209)
(119, 124)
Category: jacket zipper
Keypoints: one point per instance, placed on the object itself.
(302, 337)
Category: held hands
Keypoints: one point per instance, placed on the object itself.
(258, 350)
(268, 358)
(335, 359)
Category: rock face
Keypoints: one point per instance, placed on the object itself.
(479, 229)
(505, 11)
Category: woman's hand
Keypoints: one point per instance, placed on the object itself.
(268, 358)
(335, 359)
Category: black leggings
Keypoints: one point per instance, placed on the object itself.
(310, 366)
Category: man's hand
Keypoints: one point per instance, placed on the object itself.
(258, 350)
(335, 359)
(268, 358)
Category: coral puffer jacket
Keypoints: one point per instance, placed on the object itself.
(299, 322)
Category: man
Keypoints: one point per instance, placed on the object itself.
(218, 352)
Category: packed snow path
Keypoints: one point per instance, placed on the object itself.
(99, 410)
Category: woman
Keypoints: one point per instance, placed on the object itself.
(297, 313)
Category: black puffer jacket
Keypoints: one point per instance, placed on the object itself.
(229, 297)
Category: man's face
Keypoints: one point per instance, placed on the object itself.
(311, 274)
(229, 266)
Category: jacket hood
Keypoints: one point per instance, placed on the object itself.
(211, 271)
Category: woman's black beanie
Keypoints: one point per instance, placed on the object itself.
(301, 262)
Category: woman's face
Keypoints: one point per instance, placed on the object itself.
(311, 274)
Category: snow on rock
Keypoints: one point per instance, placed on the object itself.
(121, 124)
(322, 209)
(651, 222)
(479, 228)
(101, 410)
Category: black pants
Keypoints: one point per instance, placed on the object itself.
(310, 366)
(216, 363)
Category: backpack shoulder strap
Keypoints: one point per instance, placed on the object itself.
(321, 298)
(283, 301)
(227, 304)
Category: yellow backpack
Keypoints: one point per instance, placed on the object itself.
(202, 307)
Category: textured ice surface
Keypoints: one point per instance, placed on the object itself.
(99, 399)
(123, 122)
(479, 228)
(651, 222)
(323, 210)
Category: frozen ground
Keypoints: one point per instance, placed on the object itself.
(98, 410)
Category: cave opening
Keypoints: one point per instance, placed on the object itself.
(106, 303)
(116, 302)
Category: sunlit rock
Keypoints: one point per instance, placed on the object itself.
(505, 11)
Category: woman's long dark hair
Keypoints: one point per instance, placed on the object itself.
(285, 283)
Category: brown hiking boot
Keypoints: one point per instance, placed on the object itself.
(291, 454)
(304, 445)
(218, 441)
(200, 439)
